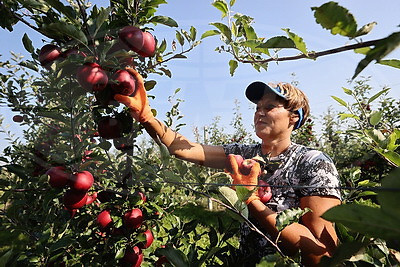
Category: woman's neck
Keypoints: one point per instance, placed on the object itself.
(275, 147)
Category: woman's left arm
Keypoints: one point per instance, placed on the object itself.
(314, 236)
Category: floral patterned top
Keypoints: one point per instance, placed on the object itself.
(310, 171)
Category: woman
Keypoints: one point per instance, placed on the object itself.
(279, 110)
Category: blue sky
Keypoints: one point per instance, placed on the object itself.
(206, 86)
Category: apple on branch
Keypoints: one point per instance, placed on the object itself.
(92, 77)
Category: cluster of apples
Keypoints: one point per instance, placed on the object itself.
(245, 166)
(79, 184)
(132, 221)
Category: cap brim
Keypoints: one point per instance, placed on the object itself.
(256, 90)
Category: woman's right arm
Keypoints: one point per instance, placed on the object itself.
(182, 148)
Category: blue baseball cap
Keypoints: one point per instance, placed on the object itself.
(256, 90)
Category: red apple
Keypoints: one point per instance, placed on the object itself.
(48, 54)
(133, 218)
(109, 128)
(149, 45)
(81, 181)
(246, 166)
(133, 256)
(57, 177)
(123, 83)
(72, 51)
(161, 261)
(239, 160)
(104, 219)
(92, 77)
(132, 37)
(91, 198)
(264, 191)
(149, 239)
(18, 118)
(75, 199)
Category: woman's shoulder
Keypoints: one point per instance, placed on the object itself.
(310, 154)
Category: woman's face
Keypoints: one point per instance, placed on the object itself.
(271, 119)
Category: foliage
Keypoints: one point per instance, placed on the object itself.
(189, 229)
(240, 39)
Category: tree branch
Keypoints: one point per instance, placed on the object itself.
(314, 55)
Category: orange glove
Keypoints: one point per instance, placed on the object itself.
(250, 180)
(137, 104)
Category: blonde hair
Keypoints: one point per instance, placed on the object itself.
(295, 99)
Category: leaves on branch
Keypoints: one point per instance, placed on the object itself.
(335, 18)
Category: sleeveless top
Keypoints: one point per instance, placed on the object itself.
(311, 172)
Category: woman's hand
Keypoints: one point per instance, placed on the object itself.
(249, 181)
(138, 104)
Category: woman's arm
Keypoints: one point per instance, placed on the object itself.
(181, 147)
(315, 237)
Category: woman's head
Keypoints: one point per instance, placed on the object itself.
(292, 98)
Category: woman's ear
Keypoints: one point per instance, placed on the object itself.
(294, 118)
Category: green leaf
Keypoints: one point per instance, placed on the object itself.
(278, 42)
(392, 157)
(343, 252)
(362, 50)
(229, 194)
(346, 115)
(232, 2)
(389, 199)
(193, 33)
(367, 28)
(60, 29)
(340, 101)
(289, 216)
(366, 220)
(210, 33)
(221, 6)
(164, 20)
(64, 242)
(395, 63)
(375, 117)
(68, 11)
(163, 46)
(150, 85)
(298, 41)
(391, 141)
(347, 91)
(233, 64)
(382, 48)
(335, 18)
(377, 95)
(27, 43)
(105, 145)
(223, 29)
(120, 253)
(102, 17)
(250, 33)
(180, 38)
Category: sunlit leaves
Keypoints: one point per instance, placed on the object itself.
(221, 6)
(60, 29)
(395, 63)
(226, 32)
(210, 33)
(340, 101)
(381, 49)
(335, 18)
(278, 42)
(289, 216)
(164, 20)
(297, 40)
(233, 64)
(27, 43)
